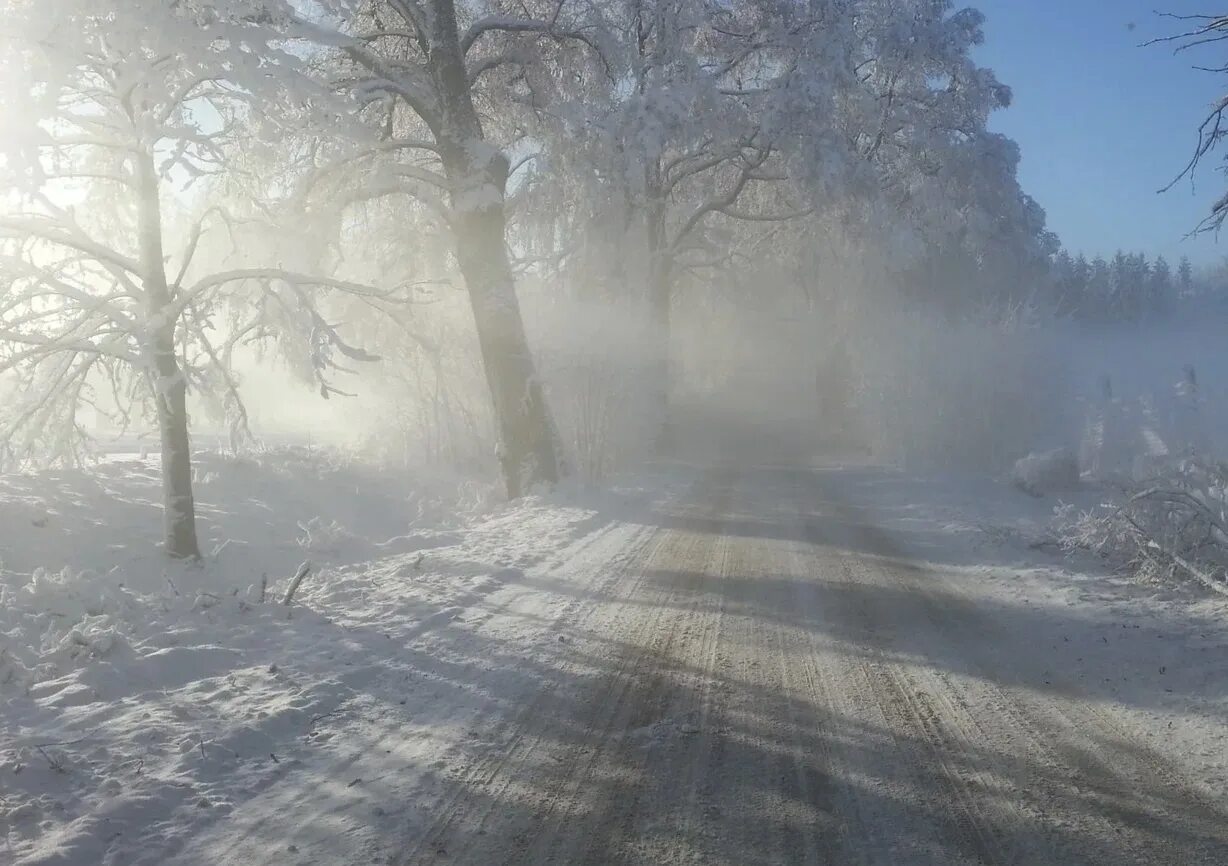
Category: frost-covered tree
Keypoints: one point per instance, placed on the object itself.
(951, 181)
(670, 156)
(724, 123)
(437, 82)
(678, 147)
(117, 115)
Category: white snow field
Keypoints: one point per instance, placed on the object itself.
(143, 700)
(747, 665)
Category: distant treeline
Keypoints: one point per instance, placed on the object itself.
(1129, 287)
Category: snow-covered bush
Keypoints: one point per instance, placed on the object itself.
(52, 621)
(1047, 472)
(319, 535)
(1175, 524)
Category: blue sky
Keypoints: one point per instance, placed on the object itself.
(1104, 123)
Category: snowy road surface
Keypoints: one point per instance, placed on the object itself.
(755, 674)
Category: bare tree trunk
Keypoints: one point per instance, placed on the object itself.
(527, 441)
(169, 387)
(660, 302)
(477, 175)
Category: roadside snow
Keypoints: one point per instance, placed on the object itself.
(141, 701)
(1152, 654)
(155, 713)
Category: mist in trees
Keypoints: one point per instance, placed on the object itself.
(125, 154)
(525, 241)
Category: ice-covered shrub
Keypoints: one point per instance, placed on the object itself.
(319, 535)
(51, 621)
(1174, 524)
(1046, 472)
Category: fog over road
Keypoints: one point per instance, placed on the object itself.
(762, 677)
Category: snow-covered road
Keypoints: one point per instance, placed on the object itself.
(754, 665)
(757, 673)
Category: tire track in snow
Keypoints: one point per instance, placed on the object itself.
(497, 780)
(1020, 750)
(637, 694)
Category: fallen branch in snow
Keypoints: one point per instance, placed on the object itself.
(80, 739)
(321, 716)
(303, 571)
(55, 765)
(1176, 524)
(1151, 547)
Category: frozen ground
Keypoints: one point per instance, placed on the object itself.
(720, 665)
(141, 700)
(1154, 652)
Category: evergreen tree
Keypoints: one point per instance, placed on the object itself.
(1099, 290)
(1160, 286)
(1185, 278)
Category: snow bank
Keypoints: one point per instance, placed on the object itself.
(1153, 650)
(51, 622)
(1049, 472)
(258, 514)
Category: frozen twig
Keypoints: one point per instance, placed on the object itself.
(303, 571)
(320, 717)
(55, 765)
